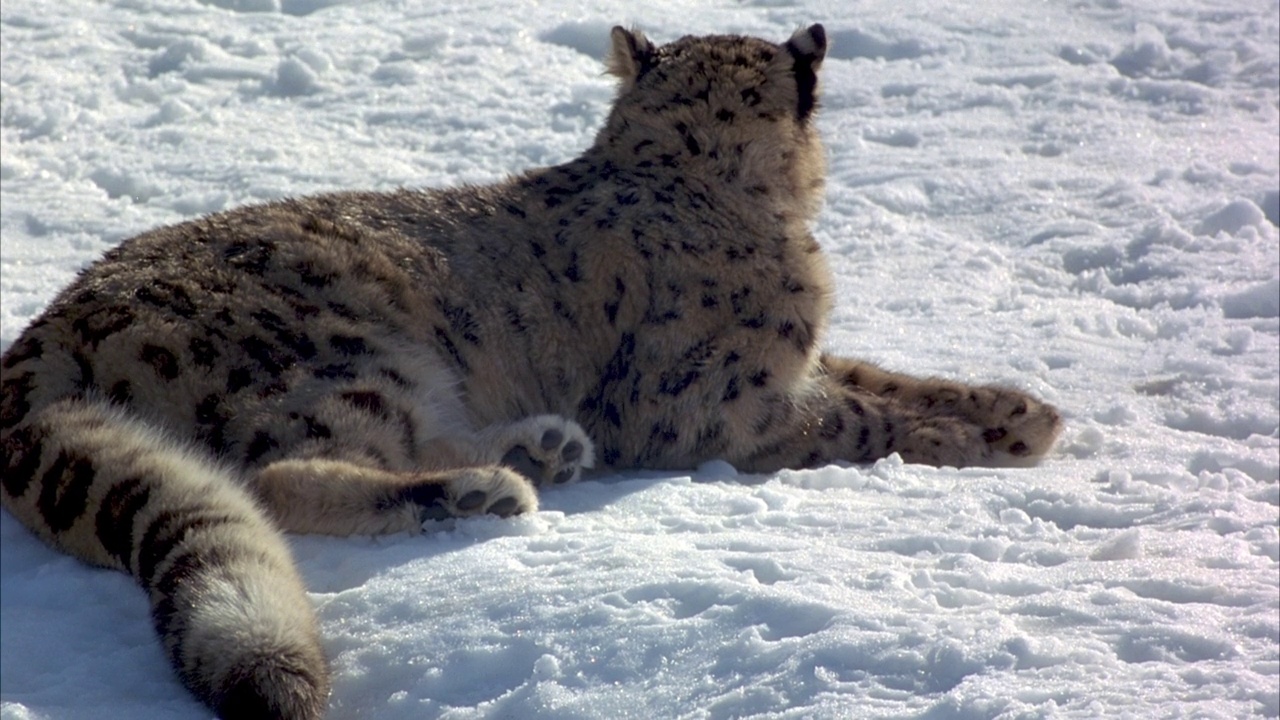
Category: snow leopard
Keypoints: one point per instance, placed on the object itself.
(364, 362)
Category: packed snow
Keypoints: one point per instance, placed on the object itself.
(1078, 198)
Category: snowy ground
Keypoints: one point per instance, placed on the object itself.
(1077, 198)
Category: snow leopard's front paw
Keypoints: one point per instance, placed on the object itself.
(467, 492)
(546, 449)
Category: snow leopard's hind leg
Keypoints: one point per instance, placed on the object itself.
(1005, 427)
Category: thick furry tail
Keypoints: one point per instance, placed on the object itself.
(226, 600)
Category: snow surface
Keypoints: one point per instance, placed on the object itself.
(1077, 198)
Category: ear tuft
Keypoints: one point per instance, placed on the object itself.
(631, 54)
(809, 45)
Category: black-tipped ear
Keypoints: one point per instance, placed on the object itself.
(807, 47)
(631, 55)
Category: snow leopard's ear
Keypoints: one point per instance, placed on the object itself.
(630, 56)
(808, 47)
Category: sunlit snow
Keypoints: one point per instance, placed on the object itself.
(1075, 198)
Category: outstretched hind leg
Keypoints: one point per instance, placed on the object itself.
(1005, 426)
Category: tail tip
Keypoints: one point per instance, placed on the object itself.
(276, 691)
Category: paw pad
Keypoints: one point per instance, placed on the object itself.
(551, 439)
(519, 459)
(546, 449)
(572, 451)
(471, 501)
(474, 503)
(506, 507)
(474, 491)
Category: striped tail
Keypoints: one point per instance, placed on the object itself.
(226, 600)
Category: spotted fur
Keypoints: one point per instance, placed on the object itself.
(360, 362)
